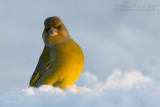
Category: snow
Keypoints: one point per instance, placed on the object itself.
(120, 89)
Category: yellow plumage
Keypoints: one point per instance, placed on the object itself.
(62, 59)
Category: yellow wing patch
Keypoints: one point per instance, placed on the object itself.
(34, 79)
(47, 66)
(40, 74)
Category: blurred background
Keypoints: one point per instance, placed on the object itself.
(117, 34)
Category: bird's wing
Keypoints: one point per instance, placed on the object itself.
(42, 66)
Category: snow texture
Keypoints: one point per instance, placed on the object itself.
(121, 89)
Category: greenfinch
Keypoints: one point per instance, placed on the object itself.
(62, 59)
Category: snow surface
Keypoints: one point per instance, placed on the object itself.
(121, 89)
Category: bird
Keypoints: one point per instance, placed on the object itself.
(62, 60)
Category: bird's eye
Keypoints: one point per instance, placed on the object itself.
(59, 26)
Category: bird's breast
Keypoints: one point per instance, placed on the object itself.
(68, 61)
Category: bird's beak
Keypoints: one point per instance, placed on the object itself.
(52, 31)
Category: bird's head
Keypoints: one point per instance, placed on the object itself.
(54, 31)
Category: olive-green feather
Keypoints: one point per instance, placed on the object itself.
(42, 66)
